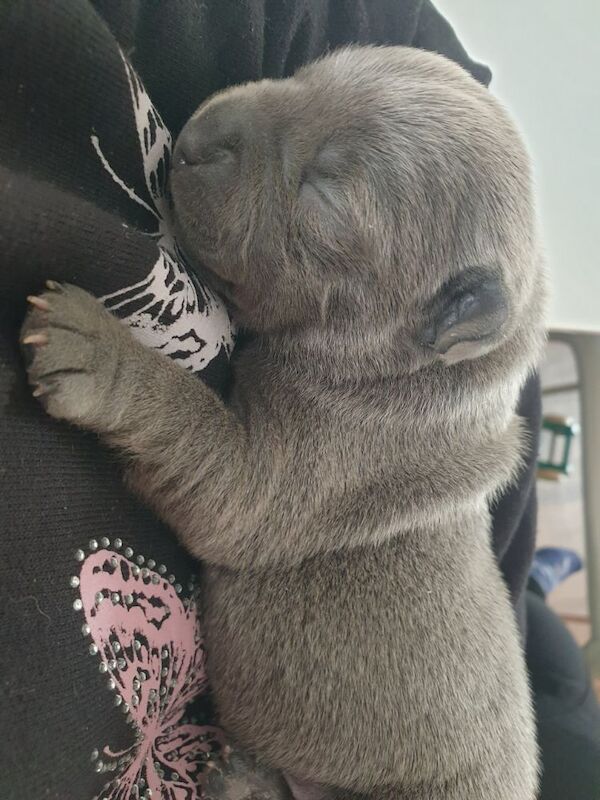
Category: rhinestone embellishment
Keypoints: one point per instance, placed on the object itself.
(147, 674)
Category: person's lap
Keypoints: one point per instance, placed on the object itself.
(567, 711)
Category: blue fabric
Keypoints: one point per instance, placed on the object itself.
(552, 565)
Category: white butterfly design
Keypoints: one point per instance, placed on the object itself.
(169, 309)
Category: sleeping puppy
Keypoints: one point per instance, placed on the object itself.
(370, 222)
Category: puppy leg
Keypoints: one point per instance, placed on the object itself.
(242, 777)
(305, 790)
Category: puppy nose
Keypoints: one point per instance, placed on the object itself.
(211, 137)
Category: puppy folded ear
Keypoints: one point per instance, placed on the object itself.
(467, 316)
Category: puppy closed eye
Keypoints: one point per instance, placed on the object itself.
(321, 180)
(216, 154)
(314, 186)
(327, 163)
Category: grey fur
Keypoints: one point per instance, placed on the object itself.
(371, 222)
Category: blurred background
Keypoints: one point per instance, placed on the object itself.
(545, 60)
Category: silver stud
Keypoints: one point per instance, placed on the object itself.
(99, 766)
(93, 649)
(94, 755)
(152, 694)
(103, 666)
(137, 644)
(113, 562)
(162, 569)
(171, 578)
(143, 676)
(93, 544)
(125, 708)
(118, 700)
(99, 597)
(163, 691)
(164, 654)
(155, 579)
(178, 588)
(74, 582)
(174, 776)
(172, 682)
(164, 671)
(113, 664)
(112, 685)
(129, 599)
(122, 663)
(85, 629)
(116, 646)
(128, 552)
(77, 604)
(79, 555)
(142, 783)
(118, 544)
(140, 559)
(145, 572)
(151, 563)
(116, 598)
(135, 571)
(191, 586)
(134, 700)
(148, 793)
(105, 541)
(136, 684)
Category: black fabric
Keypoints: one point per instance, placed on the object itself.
(515, 513)
(567, 711)
(198, 48)
(72, 158)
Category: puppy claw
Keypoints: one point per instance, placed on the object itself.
(38, 302)
(40, 390)
(54, 286)
(226, 752)
(36, 338)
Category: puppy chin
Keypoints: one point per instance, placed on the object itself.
(222, 288)
(211, 278)
(206, 267)
(200, 262)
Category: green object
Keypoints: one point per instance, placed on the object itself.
(555, 446)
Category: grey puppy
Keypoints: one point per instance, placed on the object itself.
(370, 221)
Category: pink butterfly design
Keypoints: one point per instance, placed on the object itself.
(151, 650)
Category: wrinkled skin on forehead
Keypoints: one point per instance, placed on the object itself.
(354, 191)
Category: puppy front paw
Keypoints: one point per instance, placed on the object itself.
(71, 348)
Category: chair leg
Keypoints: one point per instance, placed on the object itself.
(586, 348)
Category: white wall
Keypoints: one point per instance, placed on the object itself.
(545, 58)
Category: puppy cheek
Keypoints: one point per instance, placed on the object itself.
(195, 227)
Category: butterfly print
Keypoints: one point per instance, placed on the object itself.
(149, 645)
(168, 309)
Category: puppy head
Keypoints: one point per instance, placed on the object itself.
(379, 193)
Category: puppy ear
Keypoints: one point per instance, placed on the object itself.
(467, 316)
